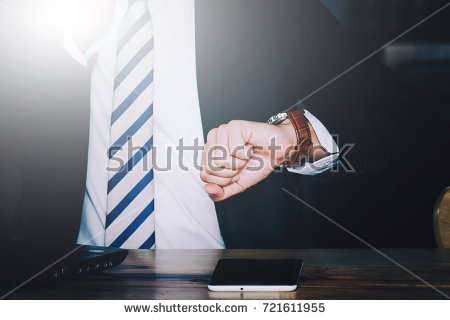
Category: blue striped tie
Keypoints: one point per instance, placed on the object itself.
(130, 221)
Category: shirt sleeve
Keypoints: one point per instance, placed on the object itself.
(327, 142)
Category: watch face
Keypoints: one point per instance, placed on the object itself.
(277, 119)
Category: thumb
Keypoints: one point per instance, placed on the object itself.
(217, 193)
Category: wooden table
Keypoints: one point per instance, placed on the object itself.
(327, 274)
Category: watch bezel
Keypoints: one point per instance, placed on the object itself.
(278, 118)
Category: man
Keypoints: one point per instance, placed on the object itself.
(153, 39)
(249, 60)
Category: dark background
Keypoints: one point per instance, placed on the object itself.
(421, 58)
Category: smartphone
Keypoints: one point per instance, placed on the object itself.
(256, 275)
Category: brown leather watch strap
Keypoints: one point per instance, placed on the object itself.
(304, 142)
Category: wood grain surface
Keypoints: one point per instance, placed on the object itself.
(327, 274)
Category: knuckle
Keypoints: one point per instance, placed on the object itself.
(209, 170)
(220, 163)
(235, 123)
(211, 133)
(206, 169)
(225, 182)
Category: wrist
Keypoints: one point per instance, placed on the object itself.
(317, 152)
(289, 134)
(297, 137)
(314, 152)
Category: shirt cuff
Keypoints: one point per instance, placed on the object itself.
(327, 142)
(319, 166)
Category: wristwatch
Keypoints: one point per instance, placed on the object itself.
(301, 151)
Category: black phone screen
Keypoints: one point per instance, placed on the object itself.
(267, 272)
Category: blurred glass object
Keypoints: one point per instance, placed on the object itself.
(442, 219)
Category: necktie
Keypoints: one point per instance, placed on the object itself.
(130, 220)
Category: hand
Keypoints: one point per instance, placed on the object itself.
(241, 153)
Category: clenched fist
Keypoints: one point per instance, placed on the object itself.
(241, 153)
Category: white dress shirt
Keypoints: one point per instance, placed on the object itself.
(184, 214)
